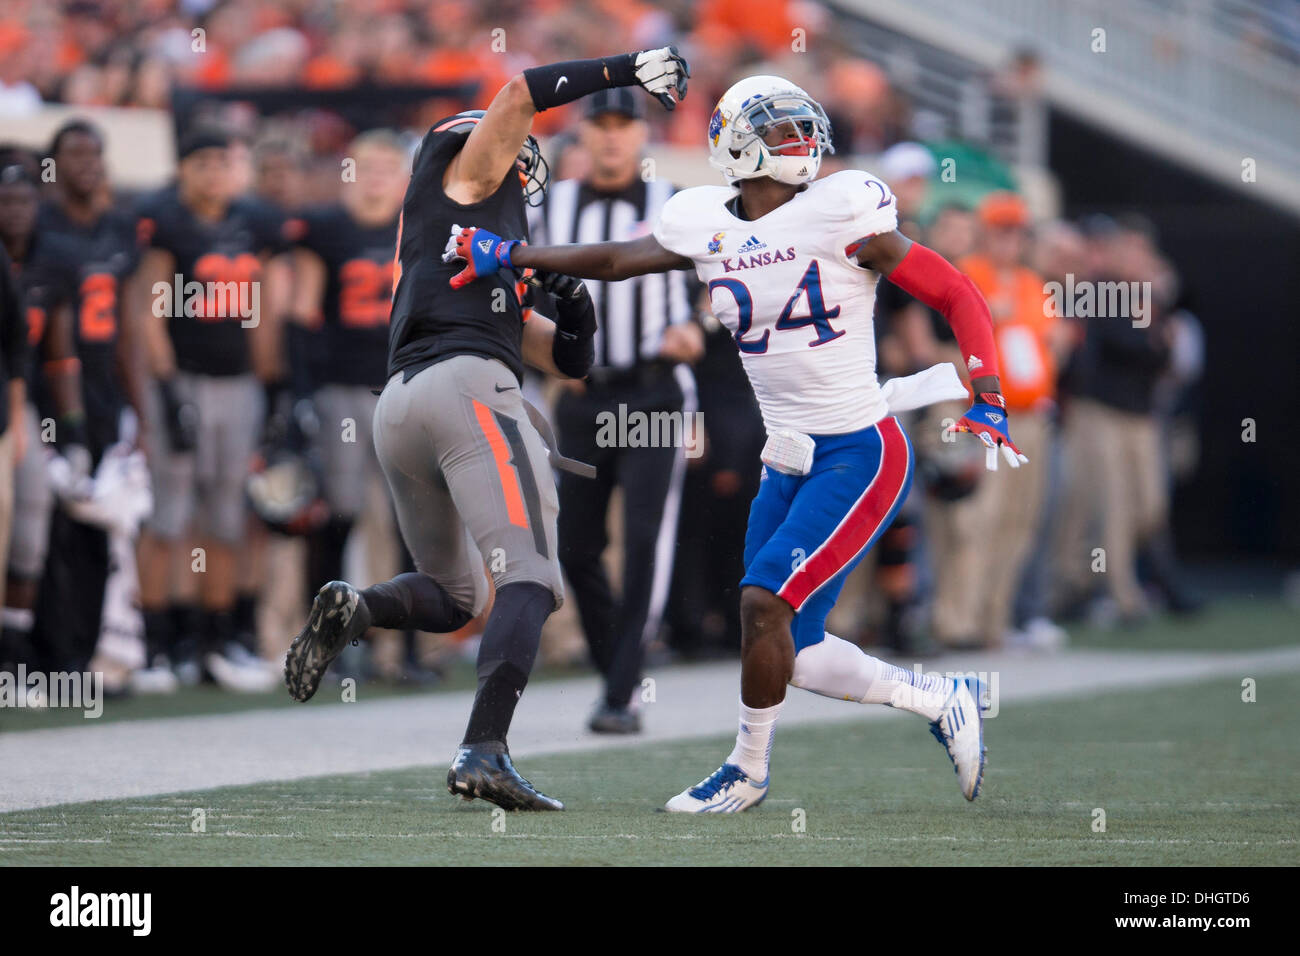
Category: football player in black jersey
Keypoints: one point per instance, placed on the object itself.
(337, 341)
(466, 464)
(23, 521)
(53, 402)
(211, 343)
(87, 254)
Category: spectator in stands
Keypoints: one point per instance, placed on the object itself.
(1122, 358)
(1031, 340)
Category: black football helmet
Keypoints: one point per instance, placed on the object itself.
(534, 173)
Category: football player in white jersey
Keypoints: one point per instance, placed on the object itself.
(791, 263)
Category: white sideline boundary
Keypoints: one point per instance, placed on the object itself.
(45, 768)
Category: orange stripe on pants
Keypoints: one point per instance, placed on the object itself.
(501, 455)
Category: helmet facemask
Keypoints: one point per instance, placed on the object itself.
(534, 173)
(806, 135)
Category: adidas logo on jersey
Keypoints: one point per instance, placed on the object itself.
(752, 245)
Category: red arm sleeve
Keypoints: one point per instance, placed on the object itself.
(929, 277)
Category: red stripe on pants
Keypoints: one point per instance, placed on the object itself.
(861, 523)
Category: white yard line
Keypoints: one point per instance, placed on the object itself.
(141, 758)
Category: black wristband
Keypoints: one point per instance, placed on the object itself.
(573, 349)
(558, 83)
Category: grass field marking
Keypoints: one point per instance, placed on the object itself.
(147, 757)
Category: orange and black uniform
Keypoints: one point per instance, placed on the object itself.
(86, 267)
(213, 254)
(353, 344)
(429, 324)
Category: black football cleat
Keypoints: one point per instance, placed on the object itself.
(492, 777)
(614, 720)
(338, 616)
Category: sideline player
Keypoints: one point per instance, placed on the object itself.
(338, 332)
(791, 266)
(210, 342)
(467, 467)
(88, 254)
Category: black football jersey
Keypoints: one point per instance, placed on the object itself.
(86, 267)
(220, 265)
(14, 347)
(431, 321)
(359, 268)
(39, 292)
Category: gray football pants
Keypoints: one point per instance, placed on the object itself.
(470, 478)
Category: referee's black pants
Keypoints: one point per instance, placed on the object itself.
(614, 629)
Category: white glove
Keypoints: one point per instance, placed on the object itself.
(80, 484)
(449, 252)
(661, 73)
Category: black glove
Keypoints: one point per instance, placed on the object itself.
(180, 418)
(575, 323)
(561, 286)
(290, 421)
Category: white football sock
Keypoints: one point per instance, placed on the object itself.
(836, 668)
(754, 741)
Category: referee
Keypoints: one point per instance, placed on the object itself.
(644, 332)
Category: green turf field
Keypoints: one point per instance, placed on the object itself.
(1235, 623)
(1185, 775)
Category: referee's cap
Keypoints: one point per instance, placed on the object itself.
(619, 99)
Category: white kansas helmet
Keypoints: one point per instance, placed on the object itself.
(746, 116)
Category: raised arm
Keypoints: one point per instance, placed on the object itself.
(492, 147)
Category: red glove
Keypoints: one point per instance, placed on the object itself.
(484, 253)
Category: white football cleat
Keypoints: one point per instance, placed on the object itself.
(960, 728)
(727, 790)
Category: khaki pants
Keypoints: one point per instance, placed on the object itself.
(956, 553)
(981, 543)
(1079, 514)
(1009, 511)
(1123, 451)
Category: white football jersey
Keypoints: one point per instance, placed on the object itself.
(799, 308)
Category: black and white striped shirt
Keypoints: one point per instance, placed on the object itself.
(632, 314)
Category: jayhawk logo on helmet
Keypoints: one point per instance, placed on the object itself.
(717, 122)
(715, 244)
